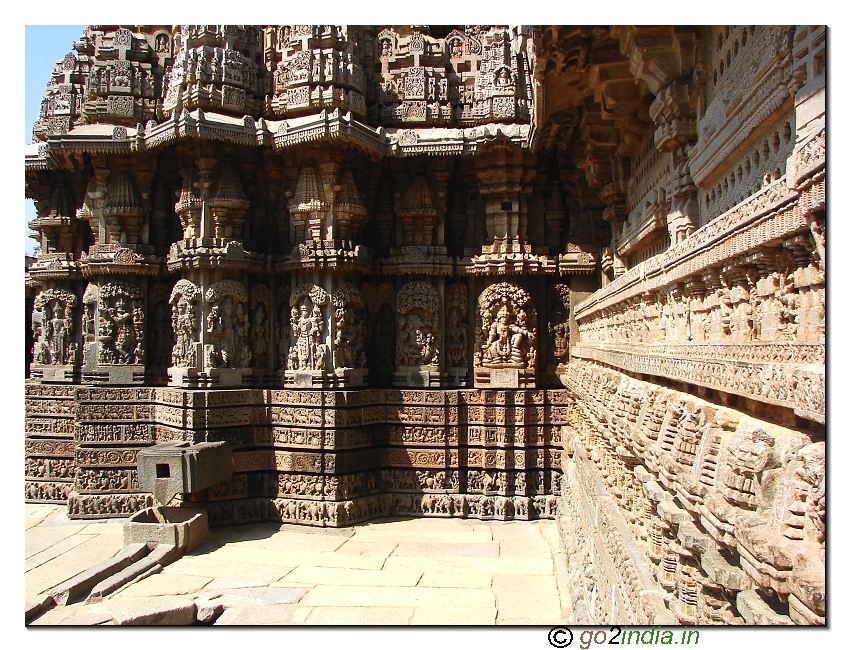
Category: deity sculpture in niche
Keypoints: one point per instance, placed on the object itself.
(417, 306)
(505, 337)
(160, 332)
(260, 325)
(351, 331)
(457, 336)
(184, 322)
(121, 327)
(53, 328)
(227, 326)
(559, 322)
(307, 350)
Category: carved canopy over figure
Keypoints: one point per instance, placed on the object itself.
(418, 306)
(506, 335)
(227, 325)
(53, 328)
(184, 322)
(307, 350)
(121, 328)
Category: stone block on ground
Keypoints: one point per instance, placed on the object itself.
(160, 610)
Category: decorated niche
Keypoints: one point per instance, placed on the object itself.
(559, 322)
(260, 326)
(227, 326)
(418, 317)
(53, 328)
(282, 330)
(351, 331)
(505, 337)
(457, 337)
(184, 321)
(307, 349)
(160, 330)
(121, 326)
(91, 297)
(380, 301)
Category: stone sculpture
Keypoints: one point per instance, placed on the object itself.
(487, 271)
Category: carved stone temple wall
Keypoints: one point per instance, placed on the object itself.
(496, 272)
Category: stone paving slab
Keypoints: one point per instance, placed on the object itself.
(533, 598)
(378, 549)
(94, 550)
(313, 575)
(159, 610)
(375, 534)
(54, 550)
(405, 571)
(531, 549)
(289, 541)
(260, 595)
(459, 580)
(488, 565)
(43, 538)
(514, 531)
(454, 616)
(448, 549)
(74, 615)
(254, 556)
(227, 568)
(37, 513)
(256, 615)
(359, 615)
(223, 584)
(164, 585)
(350, 596)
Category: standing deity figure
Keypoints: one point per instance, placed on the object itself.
(307, 325)
(183, 303)
(259, 329)
(58, 330)
(458, 337)
(53, 324)
(227, 325)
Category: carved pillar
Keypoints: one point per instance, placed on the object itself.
(674, 112)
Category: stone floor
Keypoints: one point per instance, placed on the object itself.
(391, 572)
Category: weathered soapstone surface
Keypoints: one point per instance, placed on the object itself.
(395, 281)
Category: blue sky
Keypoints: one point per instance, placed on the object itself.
(44, 46)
